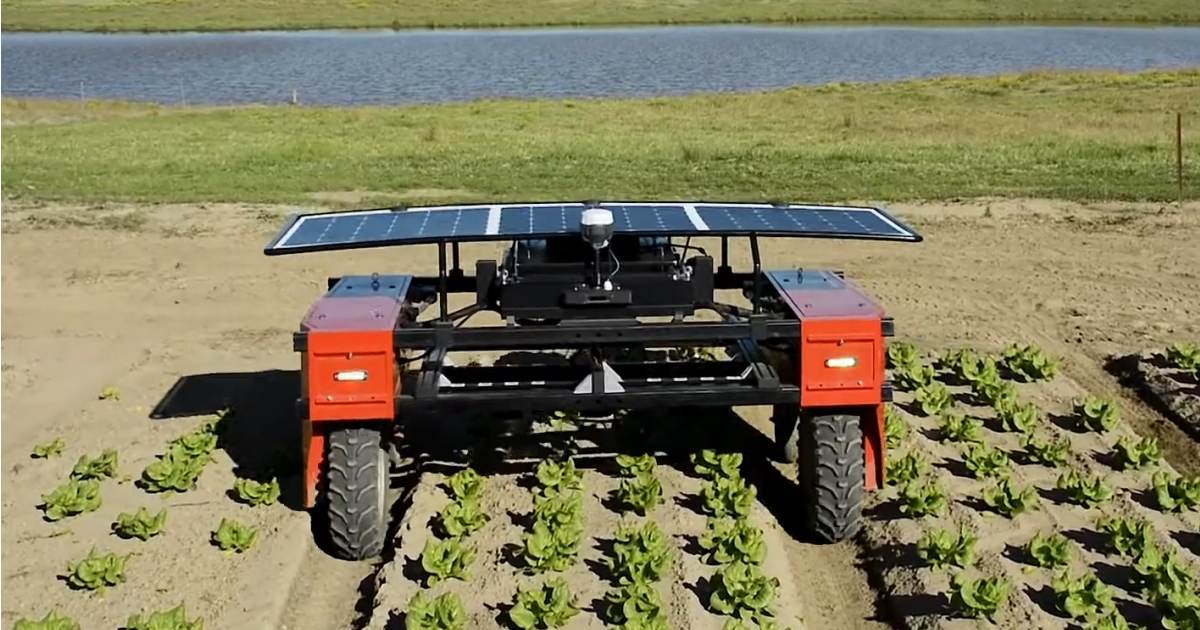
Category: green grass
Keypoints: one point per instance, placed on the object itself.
(1071, 136)
(166, 15)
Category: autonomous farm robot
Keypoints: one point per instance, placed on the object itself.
(604, 281)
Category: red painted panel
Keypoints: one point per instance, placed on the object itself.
(825, 339)
(331, 352)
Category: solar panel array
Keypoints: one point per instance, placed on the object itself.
(407, 226)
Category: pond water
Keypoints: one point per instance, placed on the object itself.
(382, 67)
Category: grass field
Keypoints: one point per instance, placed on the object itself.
(1069, 136)
(167, 15)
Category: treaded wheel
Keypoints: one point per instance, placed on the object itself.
(355, 492)
(786, 420)
(831, 474)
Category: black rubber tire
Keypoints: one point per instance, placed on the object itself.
(786, 419)
(355, 492)
(831, 475)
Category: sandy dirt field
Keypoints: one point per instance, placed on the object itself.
(141, 297)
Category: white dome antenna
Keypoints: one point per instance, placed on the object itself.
(596, 227)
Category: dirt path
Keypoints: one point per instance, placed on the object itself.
(138, 297)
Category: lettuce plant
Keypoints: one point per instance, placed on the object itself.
(97, 571)
(466, 485)
(961, 428)
(894, 427)
(1176, 493)
(901, 470)
(994, 391)
(1185, 356)
(1126, 536)
(709, 464)
(913, 377)
(556, 475)
(549, 605)
(1097, 414)
(1021, 418)
(232, 536)
(1084, 596)
(110, 392)
(635, 465)
(1050, 551)
(141, 524)
(933, 398)
(743, 591)
(253, 492)
(444, 612)
(52, 621)
(72, 497)
(978, 597)
(461, 518)
(902, 354)
(446, 559)
(1027, 363)
(173, 619)
(919, 498)
(635, 606)
(727, 496)
(728, 540)
(1114, 620)
(1088, 491)
(552, 549)
(640, 554)
(640, 493)
(1134, 454)
(940, 548)
(1007, 499)
(986, 462)
(963, 365)
(198, 444)
(558, 508)
(53, 448)
(176, 470)
(1053, 452)
(102, 466)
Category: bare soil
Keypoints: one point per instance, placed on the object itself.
(1171, 390)
(140, 297)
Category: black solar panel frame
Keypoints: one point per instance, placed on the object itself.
(272, 249)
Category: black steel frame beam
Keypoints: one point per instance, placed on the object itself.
(717, 395)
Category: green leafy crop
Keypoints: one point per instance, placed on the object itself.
(902, 354)
(102, 466)
(173, 619)
(743, 591)
(444, 612)
(919, 498)
(727, 496)
(986, 462)
(728, 540)
(110, 393)
(466, 484)
(902, 470)
(552, 548)
(913, 377)
(446, 559)
(1083, 596)
(141, 524)
(1176, 493)
(1088, 491)
(1134, 454)
(635, 465)
(640, 554)
(1027, 363)
(233, 536)
(73, 497)
(1185, 356)
(1114, 620)
(979, 597)
(564, 420)
(253, 492)
(994, 391)
(635, 606)
(556, 475)
(710, 464)
(961, 428)
(941, 548)
(97, 571)
(933, 398)
(53, 448)
(550, 605)
(558, 508)
(1007, 499)
(197, 444)
(1097, 414)
(1052, 452)
(173, 471)
(1126, 536)
(1022, 418)
(1050, 551)
(462, 518)
(963, 365)
(895, 428)
(52, 621)
(640, 493)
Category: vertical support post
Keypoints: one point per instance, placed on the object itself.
(1179, 154)
(724, 268)
(443, 299)
(455, 269)
(757, 272)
